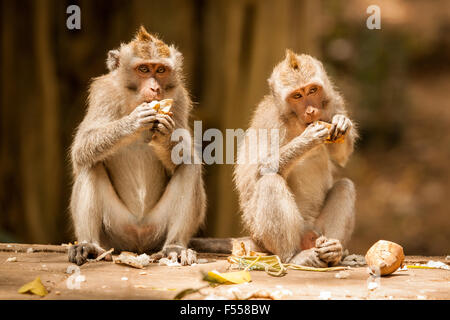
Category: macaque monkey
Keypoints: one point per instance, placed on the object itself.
(127, 192)
(291, 204)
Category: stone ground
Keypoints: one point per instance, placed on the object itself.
(103, 280)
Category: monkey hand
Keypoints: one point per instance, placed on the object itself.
(143, 117)
(81, 252)
(308, 258)
(340, 125)
(315, 133)
(330, 250)
(176, 253)
(163, 128)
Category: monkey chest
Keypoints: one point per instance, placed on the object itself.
(309, 181)
(137, 176)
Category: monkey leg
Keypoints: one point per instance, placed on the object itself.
(87, 208)
(183, 205)
(275, 220)
(336, 221)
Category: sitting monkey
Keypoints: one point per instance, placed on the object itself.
(127, 192)
(290, 200)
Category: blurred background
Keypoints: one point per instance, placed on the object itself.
(396, 81)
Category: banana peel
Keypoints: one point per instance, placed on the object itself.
(236, 277)
(35, 287)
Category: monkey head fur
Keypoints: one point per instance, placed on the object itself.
(149, 52)
(299, 71)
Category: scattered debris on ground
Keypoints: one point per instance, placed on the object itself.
(430, 265)
(132, 259)
(169, 263)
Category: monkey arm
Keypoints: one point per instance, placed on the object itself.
(94, 144)
(340, 152)
(163, 152)
(288, 155)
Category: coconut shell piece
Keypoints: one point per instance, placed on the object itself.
(328, 139)
(385, 256)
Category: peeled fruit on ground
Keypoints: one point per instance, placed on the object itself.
(385, 256)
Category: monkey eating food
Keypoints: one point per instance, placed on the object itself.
(290, 201)
(128, 194)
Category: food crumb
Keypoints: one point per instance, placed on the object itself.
(325, 295)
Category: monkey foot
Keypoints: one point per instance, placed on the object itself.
(329, 250)
(308, 258)
(176, 253)
(81, 252)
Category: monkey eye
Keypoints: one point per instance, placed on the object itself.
(143, 68)
(312, 90)
(161, 70)
(297, 96)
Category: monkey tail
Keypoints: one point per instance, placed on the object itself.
(221, 245)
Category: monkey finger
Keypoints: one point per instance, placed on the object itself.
(330, 256)
(322, 134)
(146, 113)
(170, 119)
(156, 256)
(162, 129)
(347, 125)
(72, 254)
(167, 124)
(173, 256)
(183, 258)
(79, 256)
(321, 240)
(332, 130)
(332, 248)
(341, 123)
(147, 120)
(316, 262)
(330, 243)
(326, 242)
(191, 256)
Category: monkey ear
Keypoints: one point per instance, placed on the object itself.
(291, 57)
(143, 35)
(177, 57)
(113, 60)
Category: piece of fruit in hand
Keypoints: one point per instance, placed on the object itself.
(163, 106)
(328, 139)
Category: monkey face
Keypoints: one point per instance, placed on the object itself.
(151, 79)
(307, 102)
